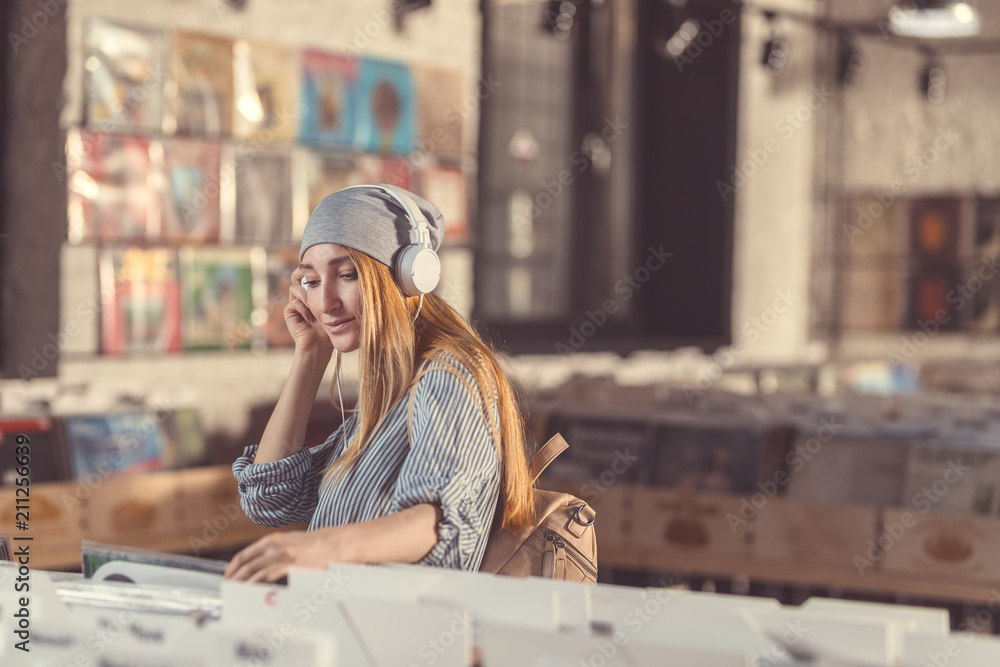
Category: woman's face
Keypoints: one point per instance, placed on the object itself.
(333, 293)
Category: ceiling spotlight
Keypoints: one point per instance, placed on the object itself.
(934, 80)
(775, 56)
(934, 19)
(851, 65)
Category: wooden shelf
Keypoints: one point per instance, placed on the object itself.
(805, 574)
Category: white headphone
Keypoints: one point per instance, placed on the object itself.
(417, 269)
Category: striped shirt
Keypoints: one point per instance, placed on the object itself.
(451, 461)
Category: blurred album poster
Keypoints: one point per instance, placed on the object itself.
(113, 444)
(266, 91)
(203, 71)
(143, 311)
(326, 174)
(393, 171)
(440, 114)
(124, 72)
(191, 191)
(446, 187)
(183, 440)
(112, 194)
(280, 264)
(329, 83)
(264, 198)
(386, 119)
(218, 297)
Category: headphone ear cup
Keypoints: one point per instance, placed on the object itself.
(418, 270)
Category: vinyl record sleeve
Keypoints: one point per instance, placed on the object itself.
(326, 174)
(124, 74)
(142, 311)
(386, 107)
(190, 193)
(264, 199)
(112, 187)
(266, 91)
(446, 188)
(112, 444)
(329, 88)
(280, 264)
(203, 71)
(218, 297)
(393, 171)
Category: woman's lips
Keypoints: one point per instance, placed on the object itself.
(336, 328)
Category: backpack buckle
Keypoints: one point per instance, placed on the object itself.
(579, 520)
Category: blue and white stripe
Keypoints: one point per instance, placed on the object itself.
(451, 461)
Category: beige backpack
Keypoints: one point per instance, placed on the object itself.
(560, 545)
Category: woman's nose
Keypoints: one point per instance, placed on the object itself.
(329, 300)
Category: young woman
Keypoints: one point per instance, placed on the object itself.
(435, 443)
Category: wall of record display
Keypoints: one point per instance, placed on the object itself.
(198, 159)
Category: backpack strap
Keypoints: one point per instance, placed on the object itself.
(545, 455)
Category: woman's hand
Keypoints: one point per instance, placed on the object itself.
(269, 558)
(307, 333)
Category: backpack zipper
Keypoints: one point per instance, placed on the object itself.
(571, 551)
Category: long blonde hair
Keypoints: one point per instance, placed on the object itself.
(392, 347)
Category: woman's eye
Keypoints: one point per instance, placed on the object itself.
(309, 283)
(353, 275)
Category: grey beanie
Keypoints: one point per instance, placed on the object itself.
(369, 220)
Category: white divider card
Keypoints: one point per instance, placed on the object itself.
(610, 603)
(95, 635)
(960, 649)
(345, 580)
(920, 620)
(274, 615)
(852, 638)
(411, 634)
(704, 623)
(308, 648)
(528, 602)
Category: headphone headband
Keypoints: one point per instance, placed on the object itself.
(416, 268)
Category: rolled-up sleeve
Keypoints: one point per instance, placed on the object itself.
(284, 491)
(452, 462)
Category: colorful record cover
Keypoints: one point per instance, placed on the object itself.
(191, 191)
(123, 76)
(203, 69)
(113, 444)
(393, 171)
(280, 265)
(266, 91)
(263, 199)
(183, 441)
(446, 188)
(143, 313)
(218, 297)
(329, 85)
(111, 197)
(386, 118)
(326, 174)
(439, 111)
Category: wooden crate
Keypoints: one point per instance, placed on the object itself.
(787, 530)
(956, 546)
(126, 509)
(685, 524)
(55, 521)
